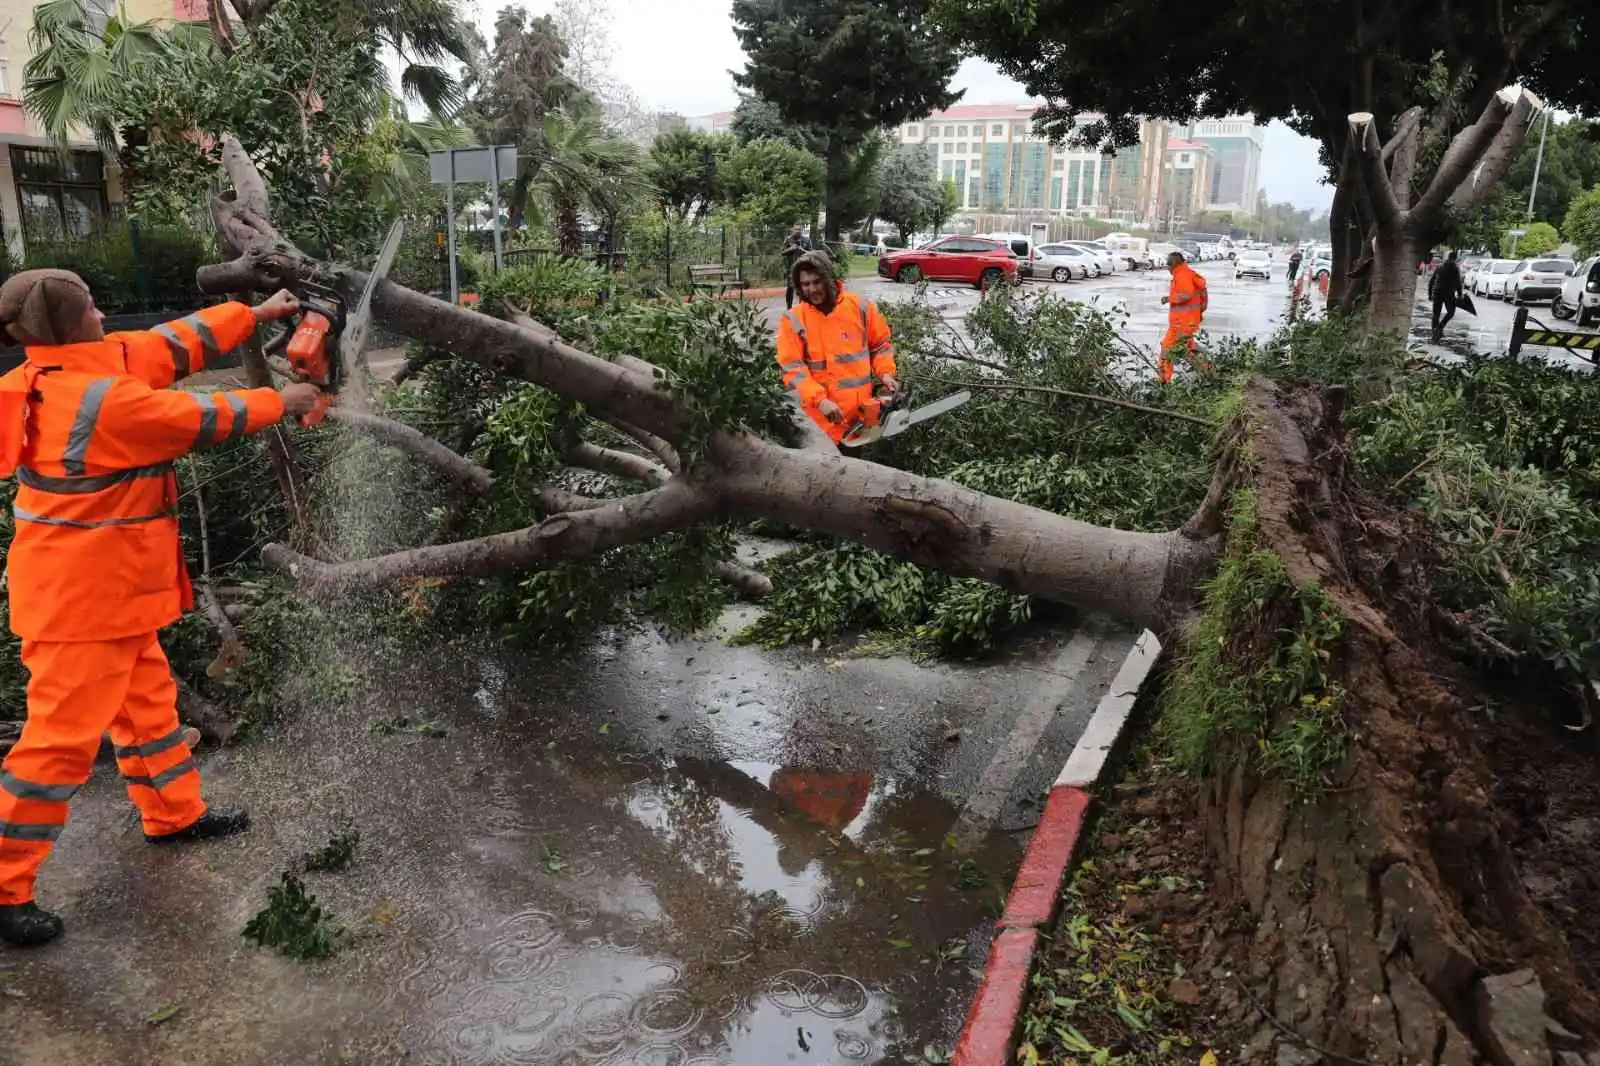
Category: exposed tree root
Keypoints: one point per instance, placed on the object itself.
(1374, 914)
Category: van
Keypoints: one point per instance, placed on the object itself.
(1021, 246)
(1134, 251)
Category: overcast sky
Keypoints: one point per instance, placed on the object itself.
(677, 56)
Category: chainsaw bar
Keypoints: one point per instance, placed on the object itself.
(358, 327)
(898, 421)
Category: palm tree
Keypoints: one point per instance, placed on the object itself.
(579, 164)
(81, 54)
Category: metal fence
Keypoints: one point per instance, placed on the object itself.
(131, 269)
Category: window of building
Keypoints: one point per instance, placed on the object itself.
(1058, 165)
(913, 130)
(961, 148)
(1020, 128)
(946, 169)
(997, 130)
(961, 131)
(949, 131)
(974, 192)
(62, 195)
(960, 177)
(5, 77)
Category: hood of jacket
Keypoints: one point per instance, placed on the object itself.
(823, 265)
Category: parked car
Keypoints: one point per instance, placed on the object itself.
(1492, 278)
(1189, 248)
(1063, 262)
(1469, 270)
(1539, 279)
(1579, 296)
(1253, 263)
(1159, 253)
(1105, 264)
(970, 260)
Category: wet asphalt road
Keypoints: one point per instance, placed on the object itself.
(653, 852)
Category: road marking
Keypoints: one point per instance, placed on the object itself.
(998, 779)
(1088, 757)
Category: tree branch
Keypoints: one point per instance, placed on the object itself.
(752, 584)
(1400, 154)
(666, 453)
(567, 536)
(459, 469)
(1465, 150)
(621, 464)
(1497, 159)
(1126, 405)
(1369, 157)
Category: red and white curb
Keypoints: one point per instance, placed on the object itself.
(990, 1034)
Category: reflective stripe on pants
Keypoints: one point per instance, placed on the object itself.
(76, 692)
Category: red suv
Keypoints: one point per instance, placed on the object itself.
(973, 260)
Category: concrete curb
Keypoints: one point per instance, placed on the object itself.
(989, 1036)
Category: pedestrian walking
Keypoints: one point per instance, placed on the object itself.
(1444, 290)
(795, 245)
(1186, 306)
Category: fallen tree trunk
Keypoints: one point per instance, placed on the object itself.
(1146, 578)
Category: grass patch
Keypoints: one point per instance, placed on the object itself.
(1255, 681)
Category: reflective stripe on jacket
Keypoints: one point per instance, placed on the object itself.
(836, 356)
(1188, 297)
(95, 554)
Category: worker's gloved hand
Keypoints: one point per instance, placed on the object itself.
(280, 304)
(299, 398)
(831, 411)
(890, 382)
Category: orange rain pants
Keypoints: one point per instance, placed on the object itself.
(76, 691)
(1178, 341)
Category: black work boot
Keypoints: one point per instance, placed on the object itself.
(216, 822)
(28, 925)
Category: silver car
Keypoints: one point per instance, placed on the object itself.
(1104, 263)
(1062, 262)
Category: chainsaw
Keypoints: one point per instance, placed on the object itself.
(327, 342)
(895, 416)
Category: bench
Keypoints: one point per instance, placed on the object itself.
(716, 277)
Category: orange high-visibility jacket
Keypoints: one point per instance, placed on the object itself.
(91, 432)
(1188, 298)
(836, 356)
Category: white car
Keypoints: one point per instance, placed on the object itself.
(1062, 262)
(1538, 280)
(1580, 296)
(1493, 277)
(1104, 262)
(1253, 263)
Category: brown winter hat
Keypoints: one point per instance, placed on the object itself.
(40, 307)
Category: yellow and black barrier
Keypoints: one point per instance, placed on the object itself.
(1584, 343)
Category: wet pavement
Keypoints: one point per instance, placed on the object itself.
(650, 853)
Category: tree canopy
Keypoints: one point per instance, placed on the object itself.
(773, 182)
(910, 193)
(1582, 224)
(684, 168)
(843, 70)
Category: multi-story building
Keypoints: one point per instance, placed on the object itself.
(1186, 181)
(999, 164)
(46, 193)
(1237, 145)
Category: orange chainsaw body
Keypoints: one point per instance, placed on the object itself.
(313, 349)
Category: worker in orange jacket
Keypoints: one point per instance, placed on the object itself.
(1186, 306)
(90, 430)
(832, 346)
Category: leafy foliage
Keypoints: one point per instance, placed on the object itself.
(911, 194)
(1582, 225)
(1255, 683)
(773, 182)
(295, 924)
(1501, 458)
(1538, 238)
(685, 169)
(132, 269)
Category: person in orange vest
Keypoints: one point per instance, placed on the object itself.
(832, 347)
(90, 431)
(1186, 306)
